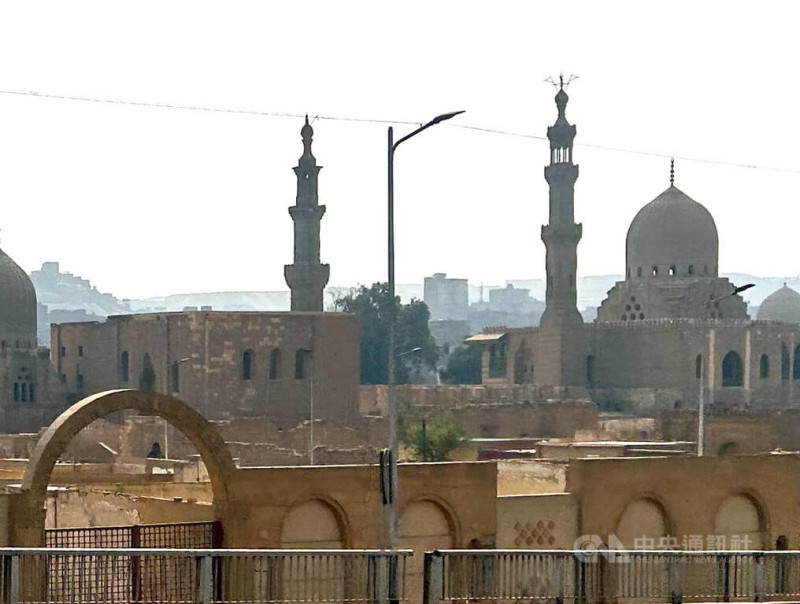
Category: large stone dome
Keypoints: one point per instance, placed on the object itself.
(672, 236)
(17, 305)
(781, 305)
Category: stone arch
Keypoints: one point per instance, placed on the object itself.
(426, 523)
(743, 516)
(57, 437)
(732, 370)
(316, 522)
(643, 517)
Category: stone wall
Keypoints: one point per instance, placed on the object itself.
(67, 508)
(200, 358)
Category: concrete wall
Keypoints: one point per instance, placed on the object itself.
(67, 508)
(690, 491)
(517, 477)
(537, 521)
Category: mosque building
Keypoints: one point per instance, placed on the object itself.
(671, 334)
(31, 393)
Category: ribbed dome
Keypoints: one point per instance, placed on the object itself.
(673, 233)
(781, 305)
(17, 305)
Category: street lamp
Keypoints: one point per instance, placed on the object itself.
(392, 402)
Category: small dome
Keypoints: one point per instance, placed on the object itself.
(781, 305)
(17, 305)
(674, 235)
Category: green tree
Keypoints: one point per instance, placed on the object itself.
(434, 439)
(414, 344)
(463, 365)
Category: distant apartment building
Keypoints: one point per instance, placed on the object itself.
(447, 299)
(448, 303)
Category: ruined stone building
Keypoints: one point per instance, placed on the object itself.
(31, 394)
(282, 366)
(672, 333)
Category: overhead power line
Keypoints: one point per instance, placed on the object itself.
(338, 118)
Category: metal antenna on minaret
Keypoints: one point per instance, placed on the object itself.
(671, 171)
(561, 84)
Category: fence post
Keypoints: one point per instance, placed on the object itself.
(759, 579)
(675, 586)
(433, 587)
(724, 575)
(579, 578)
(378, 573)
(10, 591)
(205, 591)
(136, 568)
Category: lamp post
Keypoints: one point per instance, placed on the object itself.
(392, 402)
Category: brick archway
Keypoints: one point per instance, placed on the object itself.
(55, 440)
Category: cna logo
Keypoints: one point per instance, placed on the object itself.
(589, 548)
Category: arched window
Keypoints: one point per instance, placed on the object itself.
(30, 393)
(732, 370)
(741, 516)
(590, 372)
(796, 364)
(654, 272)
(639, 271)
(124, 366)
(764, 366)
(147, 378)
(521, 363)
(175, 376)
(16, 392)
(785, 362)
(698, 366)
(642, 518)
(275, 364)
(247, 365)
(691, 270)
(673, 271)
(302, 364)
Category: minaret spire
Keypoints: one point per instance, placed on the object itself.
(307, 277)
(671, 171)
(559, 361)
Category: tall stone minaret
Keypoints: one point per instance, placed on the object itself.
(307, 277)
(562, 357)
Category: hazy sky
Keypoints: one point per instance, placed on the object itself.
(150, 201)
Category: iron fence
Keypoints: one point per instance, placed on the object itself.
(58, 575)
(631, 577)
(179, 535)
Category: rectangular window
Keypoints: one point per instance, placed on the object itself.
(79, 382)
(80, 351)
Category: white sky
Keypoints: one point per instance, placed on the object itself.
(150, 201)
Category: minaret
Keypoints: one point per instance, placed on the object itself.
(307, 277)
(561, 355)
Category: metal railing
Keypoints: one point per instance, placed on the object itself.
(177, 535)
(607, 576)
(208, 576)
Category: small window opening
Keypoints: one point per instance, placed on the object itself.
(275, 364)
(672, 271)
(764, 366)
(247, 365)
(655, 271)
(80, 351)
(302, 362)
